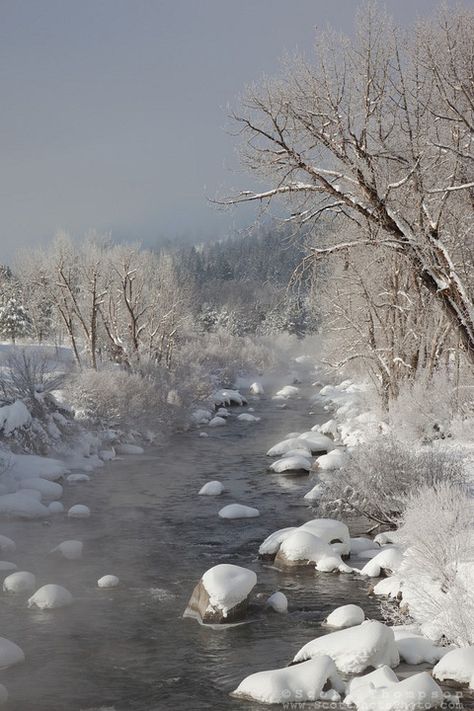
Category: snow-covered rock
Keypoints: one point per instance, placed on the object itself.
(227, 397)
(256, 388)
(127, 448)
(286, 392)
(238, 511)
(327, 428)
(49, 490)
(334, 532)
(332, 460)
(71, 550)
(300, 683)
(107, 454)
(7, 545)
(278, 602)
(79, 511)
(20, 505)
(371, 644)
(381, 691)
(20, 582)
(203, 434)
(315, 493)
(389, 587)
(223, 412)
(201, 416)
(10, 653)
(27, 466)
(270, 546)
(345, 616)
(247, 417)
(457, 665)
(212, 488)
(217, 422)
(415, 649)
(55, 507)
(386, 562)
(221, 596)
(7, 567)
(50, 597)
(108, 581)
(286, 445)
(301, 547)
(316, 441)
(77, 478)
(296, 463)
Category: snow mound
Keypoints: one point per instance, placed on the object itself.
(315, 493)
(238, 511)
(302, 547)
(14, 417)
(49, 490)
(247, 417)
(346, 616)
(415, 649)
(256, 389)
(286, 392)
(20, 505)
(77, 478)
(291, 464)
(212, 488)
(388, 559)
(228, 585)
(456, 665)
(50, 597)
(71, 550)
(303, 682)
(217, 422)
(317, 442)
(390, 587)
(79, 511)
(19, 582)
(10, 653)
(278, 602)
(332, 460)
(108, 581)
(55, 507)
(127, 448)
(7, 545)
(374, 693)
(371, 644)
(27, 466)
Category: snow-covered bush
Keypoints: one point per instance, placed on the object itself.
(438, 565)
(377, 479)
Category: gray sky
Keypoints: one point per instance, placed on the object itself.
(113, 111)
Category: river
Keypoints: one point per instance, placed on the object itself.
(128, 648)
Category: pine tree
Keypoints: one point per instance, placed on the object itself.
(14, 321)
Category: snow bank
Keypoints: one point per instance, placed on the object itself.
(278, 602)
(49, 490)
(238, 511)
(371, 644)
(10, 653)
(14, 417)
(346, 616)
(108, 581)
(71, 550)
(212, 488)
(303, 682)
(457, 665)
(295, 463)
(228, 585)
(79, 511)
(19, 582)
(50, 597)
(20, 505)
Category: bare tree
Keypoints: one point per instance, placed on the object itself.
(377, 135)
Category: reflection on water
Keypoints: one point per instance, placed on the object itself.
(128, 648)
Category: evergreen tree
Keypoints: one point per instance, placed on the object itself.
(14, 321)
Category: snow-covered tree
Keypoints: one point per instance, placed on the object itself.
(15, 322)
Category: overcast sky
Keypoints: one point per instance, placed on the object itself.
(113, 112)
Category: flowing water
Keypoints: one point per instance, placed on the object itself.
(128, 648)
